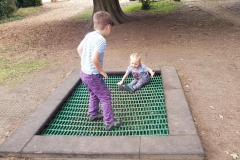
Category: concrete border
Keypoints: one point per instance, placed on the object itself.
(182, 142)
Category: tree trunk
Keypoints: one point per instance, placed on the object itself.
(113, 8)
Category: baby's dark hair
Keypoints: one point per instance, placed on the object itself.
(101, 19)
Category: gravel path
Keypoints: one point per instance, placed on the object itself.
(52, 12)
(229, 9)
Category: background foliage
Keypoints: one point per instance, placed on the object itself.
(28, 3)
(7, 8)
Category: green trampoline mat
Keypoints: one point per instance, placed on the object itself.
(142, 113)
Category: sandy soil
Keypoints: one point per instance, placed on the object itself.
(201, 40)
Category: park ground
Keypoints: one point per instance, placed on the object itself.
(201, 39)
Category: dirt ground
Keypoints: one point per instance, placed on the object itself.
(202, 40)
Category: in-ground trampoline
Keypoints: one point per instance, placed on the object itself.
(157, 123)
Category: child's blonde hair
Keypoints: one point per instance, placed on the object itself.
(136, 56)
(101, 19)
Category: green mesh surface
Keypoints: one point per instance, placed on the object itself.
(142, 113)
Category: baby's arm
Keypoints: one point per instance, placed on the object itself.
(151, 71)
(80, 49)
(96, 63)
(124, 77)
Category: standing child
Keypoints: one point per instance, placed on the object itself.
(139, 72)
(91, 51)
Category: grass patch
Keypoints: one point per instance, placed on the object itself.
(21, 13)
(9, 19)
(156, 7)
(14, 73)
(86, 15)
(136, 7)
(27, 11)
(163, 7)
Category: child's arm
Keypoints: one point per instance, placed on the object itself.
(96, 63)
(124, 77)
(80, 49)
(151, 71)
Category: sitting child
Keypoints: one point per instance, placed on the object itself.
(139, 72)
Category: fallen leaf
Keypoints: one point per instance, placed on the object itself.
(194, 119)
(212, 107)
(234, 155)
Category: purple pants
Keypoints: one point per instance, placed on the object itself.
(99, 92)
(138, 83)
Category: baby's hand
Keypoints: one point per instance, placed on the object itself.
(152, 74)
(119, 83)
